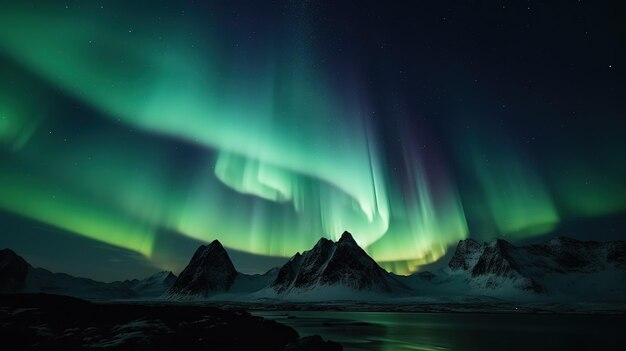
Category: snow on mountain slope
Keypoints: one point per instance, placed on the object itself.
(332, 269)
(561, 267)
(466, 256)
(152, 286)
(248, 283)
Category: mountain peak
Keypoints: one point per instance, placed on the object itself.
(210, 270)
(167, 277)
(467, 253)
(322, 241)
(216, 243)
(468, 240)
(7, 253)
(492, 263)
(13, 271)
(342, 263)
(347, 238)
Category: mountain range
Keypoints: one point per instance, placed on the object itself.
(558, 269)
(17, 275)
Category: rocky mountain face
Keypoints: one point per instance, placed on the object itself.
(13, 271)
(467, 253)
(342, 263)
(499, 264)
(209, 271)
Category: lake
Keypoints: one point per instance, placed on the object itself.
(386, 331)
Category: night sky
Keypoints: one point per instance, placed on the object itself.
(132, 132)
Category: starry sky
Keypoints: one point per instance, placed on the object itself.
(132, 132)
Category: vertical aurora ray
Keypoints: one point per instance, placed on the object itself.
(509, 198)
(426, 211)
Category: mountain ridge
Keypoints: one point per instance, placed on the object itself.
(558, 267)
(17, 275)
(342, 263)
(498, 263)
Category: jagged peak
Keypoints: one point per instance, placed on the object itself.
(213, 246)
(8, 255)
(216, 243)
(8, 252)
(341, 263)
(466, 254)
(212, 251)
(322, 241)
(209, 270)
(346, 237)
(468, 241)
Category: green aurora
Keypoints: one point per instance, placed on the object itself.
(257, 145)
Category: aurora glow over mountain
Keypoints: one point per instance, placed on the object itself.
(268, 125)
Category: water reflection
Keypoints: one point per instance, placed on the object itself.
(386, 331)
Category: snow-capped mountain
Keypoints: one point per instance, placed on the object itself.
(491, 265)
(330, 265)
(467, 253)
(209, 271)
(558, 266)
(248, 283)
(152, 286)
(560, 269)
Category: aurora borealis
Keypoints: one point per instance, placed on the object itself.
(268, 125)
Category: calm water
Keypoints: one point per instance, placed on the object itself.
(458, 331)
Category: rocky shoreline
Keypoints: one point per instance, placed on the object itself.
(45, 322)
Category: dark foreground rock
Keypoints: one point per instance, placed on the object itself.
(313, 343)
(51, 322)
